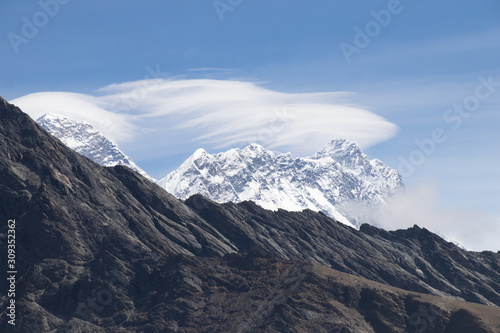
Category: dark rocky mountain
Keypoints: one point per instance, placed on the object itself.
(105, 250)
(413, 259)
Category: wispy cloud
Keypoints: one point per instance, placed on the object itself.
(116, 126)
(216, 113)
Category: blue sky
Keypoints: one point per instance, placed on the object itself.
(420, 61)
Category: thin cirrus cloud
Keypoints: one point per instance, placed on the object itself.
(216, 114)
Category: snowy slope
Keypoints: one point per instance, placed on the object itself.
(329, 181)
(87, 141)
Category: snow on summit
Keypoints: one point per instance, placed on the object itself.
(327, 181)
(87, 141)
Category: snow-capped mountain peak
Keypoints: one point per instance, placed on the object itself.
(347, 154)
(352, 159)
(338, 174)
(339, 148)
(88, 141)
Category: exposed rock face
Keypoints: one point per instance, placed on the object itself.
(331, 181)
(413, 259)
(105, 250)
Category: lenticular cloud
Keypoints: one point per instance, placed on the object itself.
(215, 114)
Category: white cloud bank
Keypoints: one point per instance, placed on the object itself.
(215, 114)
(475, 230)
